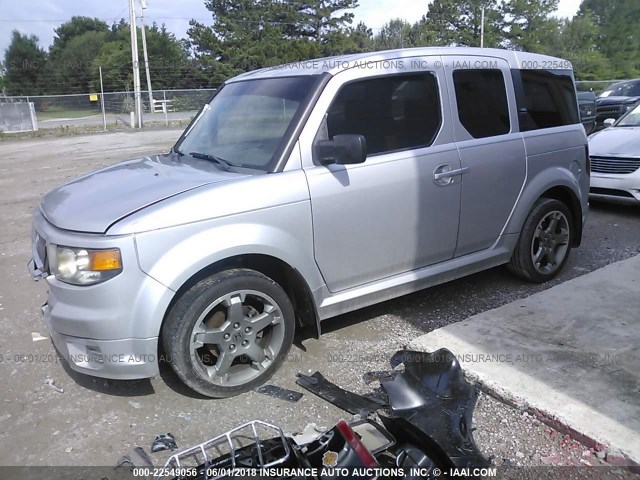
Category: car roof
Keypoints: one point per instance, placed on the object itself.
(334, 65)
(623, 82)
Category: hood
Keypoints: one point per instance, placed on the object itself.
(96, 201)
(616, 100)
(616, 141)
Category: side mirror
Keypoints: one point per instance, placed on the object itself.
(341, 150)
(608, 122)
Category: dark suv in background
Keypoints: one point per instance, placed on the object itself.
(587, 106)
(616, 100)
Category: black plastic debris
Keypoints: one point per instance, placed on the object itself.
(432, 401)
(280, 393)
(137, 458)
(430, 404)
(164, 442)
(378, 376)
(341, 398)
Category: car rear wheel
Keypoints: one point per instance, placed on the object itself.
(545, 242)
(229, 333)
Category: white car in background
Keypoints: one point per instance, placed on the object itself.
(615, 158)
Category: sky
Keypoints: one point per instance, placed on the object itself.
(40, 17)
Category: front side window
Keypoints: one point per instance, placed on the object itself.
(392, 113)
(481, 96)
(545, 99)
(247, 121)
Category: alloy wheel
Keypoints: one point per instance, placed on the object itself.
(550, 242)
(237, 337)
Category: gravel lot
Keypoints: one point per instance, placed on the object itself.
(95, 421)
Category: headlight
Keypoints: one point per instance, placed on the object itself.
(629, 107)
(84, 266)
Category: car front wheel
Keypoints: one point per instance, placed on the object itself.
(545, 242)
(229, 333)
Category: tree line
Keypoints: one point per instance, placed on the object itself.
(601, 41)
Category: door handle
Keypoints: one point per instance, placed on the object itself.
(439, 175)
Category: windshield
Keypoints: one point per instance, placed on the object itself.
(246, 122)
(627, 89)
(631, 119)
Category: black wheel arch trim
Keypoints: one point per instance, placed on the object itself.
(289, 278)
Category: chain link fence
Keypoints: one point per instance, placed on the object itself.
(87, 108)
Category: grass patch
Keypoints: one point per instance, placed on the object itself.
(55, 113)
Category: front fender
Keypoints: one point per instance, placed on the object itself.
(173, 255)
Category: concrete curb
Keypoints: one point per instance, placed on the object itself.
(597, 403)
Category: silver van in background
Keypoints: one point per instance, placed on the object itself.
(305, 191)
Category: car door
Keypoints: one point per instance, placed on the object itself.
(388, 215)
(492, 152)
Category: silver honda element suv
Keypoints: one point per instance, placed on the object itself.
(305, 191)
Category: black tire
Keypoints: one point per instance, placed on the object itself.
(522, 262)
(179, 337)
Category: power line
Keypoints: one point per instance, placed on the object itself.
(31, 20)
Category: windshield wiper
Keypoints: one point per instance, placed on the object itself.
(212, 158)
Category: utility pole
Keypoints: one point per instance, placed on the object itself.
(482, 28)
(104, 114)
(143, 7)
(136, 64)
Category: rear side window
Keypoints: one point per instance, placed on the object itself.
(392, 113)
(482, 102)
(545, 99)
